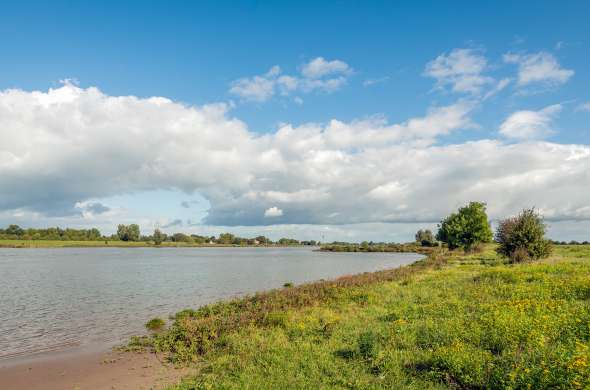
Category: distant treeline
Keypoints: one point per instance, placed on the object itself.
(573, 242)
(132, 233)
(374, 247)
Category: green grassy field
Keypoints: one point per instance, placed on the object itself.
(451, 321)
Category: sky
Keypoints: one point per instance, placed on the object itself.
(336, 120)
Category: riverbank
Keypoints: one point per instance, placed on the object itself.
(377, 248)
(121, 244)
(450, 321)
(105, 370)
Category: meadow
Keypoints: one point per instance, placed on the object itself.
(449, 321)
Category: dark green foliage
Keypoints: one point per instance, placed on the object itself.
(367, 344)
(159, 237)
(181, 237)
(425, 238)
(466, 228)
(16, 232)
(523, 237)
(155, 324)
(225, 238)
(128, 232)
(373, 247)
(288, 241)
(263, 240)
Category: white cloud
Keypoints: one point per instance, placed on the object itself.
(526, 124)
(67, 146)
(319, 67)
(257, 88)
(583, 107)
(540, 68)
(461, 69)
(273, 212)
(316, 75)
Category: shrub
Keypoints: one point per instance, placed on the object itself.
(466, 228)
(155, 324)
(367, 344)
(523, 237)
(425, 238)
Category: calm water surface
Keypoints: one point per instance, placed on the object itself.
(54, 299)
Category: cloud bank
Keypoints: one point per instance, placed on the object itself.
(66, 147)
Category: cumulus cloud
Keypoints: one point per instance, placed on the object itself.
(541, 68)
(70, 145)
(526, 124)
(273, 212)
(319, 67)
(316, 75)
(461, 69)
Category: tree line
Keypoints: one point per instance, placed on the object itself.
(132, 233)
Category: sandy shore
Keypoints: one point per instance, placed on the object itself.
(88, 371)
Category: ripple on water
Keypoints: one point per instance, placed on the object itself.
(54, 299)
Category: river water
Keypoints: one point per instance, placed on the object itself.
(55, 299)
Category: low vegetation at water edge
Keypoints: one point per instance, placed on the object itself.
(453, 320)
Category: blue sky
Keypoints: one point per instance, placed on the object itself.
(513, 77)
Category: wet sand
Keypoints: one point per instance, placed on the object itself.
(108, 370)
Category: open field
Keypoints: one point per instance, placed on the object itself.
(451, 321)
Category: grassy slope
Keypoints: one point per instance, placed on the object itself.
(463, 322)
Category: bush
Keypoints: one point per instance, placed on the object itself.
(155, 324)
(523, 237)
(425, 238)
(466, 228)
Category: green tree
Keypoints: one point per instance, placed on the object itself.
(128, 232)
(181, 237)
(262, 240)
(134, 232)
(14, 230)
(425, 238)
(226, 238)
(159, 237)
(466, 228)
(523, 237)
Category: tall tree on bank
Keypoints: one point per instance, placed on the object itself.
(466, 228)
(159, 237)
(425, 238)
(128, 232)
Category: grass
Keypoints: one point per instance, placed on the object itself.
(450, 321)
